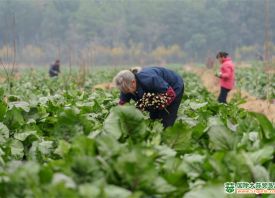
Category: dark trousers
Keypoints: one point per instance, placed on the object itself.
(223, 95)
(168, 117)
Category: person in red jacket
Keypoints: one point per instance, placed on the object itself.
(226, 75)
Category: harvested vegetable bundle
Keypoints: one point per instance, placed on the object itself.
(153, 101)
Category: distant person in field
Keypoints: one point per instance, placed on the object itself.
(159, 80)
(259, 57)
(226, 75)
(55, 69)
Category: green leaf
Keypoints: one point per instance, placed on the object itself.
(165, 152)
(66, 180)
(216, 162)
(45, 174)
(195, 105)
(192, 165)
(162, 186)
(250, 141)
(253, 136)
(2, 162)
(63, 148)
(4, 133)
(89, 190)
(261, 156)
(96, 106)
(3, 110)
(198, 130)
(17, 149)
(131, 164)
(83, 146)
(2, 92)
(220, 137)
(45, 147)
(43, 100)
(178, 137)
(23, 136)
(266, 125)
(15, 118)
(112, 191)
(237, 165)
(108, 145)
(86, 168)
(213, 191)
(260, 174)
(21, 105)
(173, 174)
(125, 121)
(26, 173)
(231, 126)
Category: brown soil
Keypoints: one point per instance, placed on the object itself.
(251, 104)
(270, 70)
(104, 86)
(16, 77)
(2, 79)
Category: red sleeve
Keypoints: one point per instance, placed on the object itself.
(121, 102)
(124, 98)
(171, 94)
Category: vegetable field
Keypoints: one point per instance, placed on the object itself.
(60, 140)
(257, 82)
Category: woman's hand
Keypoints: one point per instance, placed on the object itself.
(218, 74)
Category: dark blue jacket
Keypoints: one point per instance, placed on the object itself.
(54, 70)
(154, 80)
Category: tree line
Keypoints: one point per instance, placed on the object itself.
(132, 31)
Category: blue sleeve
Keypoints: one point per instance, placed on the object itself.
(154, 83)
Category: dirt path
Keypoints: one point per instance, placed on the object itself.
(104, 86)
(252, 103)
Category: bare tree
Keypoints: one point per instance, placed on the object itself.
(9, 62)
(267, 43)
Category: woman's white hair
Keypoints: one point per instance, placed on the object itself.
(123, 80)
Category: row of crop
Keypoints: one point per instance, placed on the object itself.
(256, 82)
(57, 140)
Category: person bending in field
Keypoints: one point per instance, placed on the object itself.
(163, 88)
(55, 69)
(226, 75)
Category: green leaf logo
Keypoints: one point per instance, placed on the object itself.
(229, 187)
